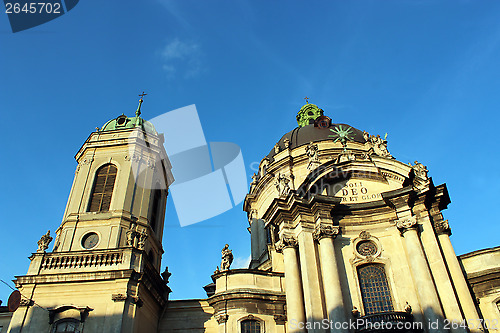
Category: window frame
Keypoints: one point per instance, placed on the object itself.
(94, 185)
(77, 322)
(359, 283)
(254, 318)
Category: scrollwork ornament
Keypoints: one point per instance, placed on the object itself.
(406, 224)
(443, 227)
(280, 319)
(119, 297)
(325, 230)
(364, 235)
(287, 241)
(222, 318)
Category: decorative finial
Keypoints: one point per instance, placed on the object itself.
(138, 112)
(307, 99)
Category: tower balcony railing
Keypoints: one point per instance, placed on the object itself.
(393, 321)
(78, 261)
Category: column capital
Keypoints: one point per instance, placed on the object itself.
(407, 223)
(325, 230)
(442, 227)
(287, 241)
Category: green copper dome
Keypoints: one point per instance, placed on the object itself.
(123, 122)
(307, 114)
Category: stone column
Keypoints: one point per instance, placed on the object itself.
(438, 269)
(294, 298)
(465, 298)
(325, 235)
(427, 294)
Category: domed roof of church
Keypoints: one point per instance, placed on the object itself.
(123, 122)
(314, 127)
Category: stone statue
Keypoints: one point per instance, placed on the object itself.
(286, 143)
(378, 144)
(420, 170)
(227, 258)
(312, 154)
(166, 275)
(142, 239)
(131, 233)
(282, 184)
(276, 148)
(43, 243)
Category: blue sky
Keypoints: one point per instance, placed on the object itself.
(425, 72)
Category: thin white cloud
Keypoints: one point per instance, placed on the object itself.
(181, 58)
(241, 262)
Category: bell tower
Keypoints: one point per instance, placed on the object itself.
(104, 271)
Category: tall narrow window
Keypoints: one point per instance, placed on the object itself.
(374, 289)
(103, 188)
(250, 326)
(155, 211)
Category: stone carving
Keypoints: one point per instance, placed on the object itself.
(287, 241)
(142, 239)
(137, 301)
(280, 319)
(378, 144)
(406, 224)
(119, 297)
(369, 258)
(407, 308)
(227, 258)
(364, 235)
(166, 275)
(135, 238)
(252, 215)
(282, 184)
(312, 154)
(442, 227)
(325, 230)
(286, 143)
(421, 179)
(276, 148)
(131, 234)
(43, 243)
(420, 170)
(222, 318)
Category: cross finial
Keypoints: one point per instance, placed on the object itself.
(307, 100)
(138, 112)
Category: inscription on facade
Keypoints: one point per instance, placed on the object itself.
(358, 191)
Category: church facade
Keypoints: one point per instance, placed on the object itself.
(344, 237)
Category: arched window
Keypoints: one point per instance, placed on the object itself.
(66, 326)
(250, 326)
(374, 289)
(156, 207)
(103, 188)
